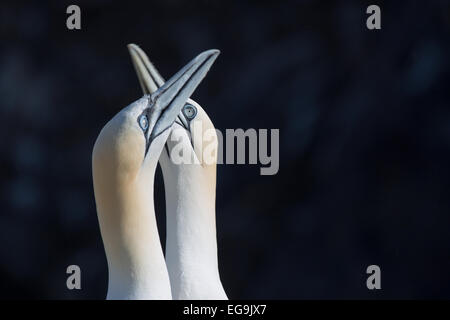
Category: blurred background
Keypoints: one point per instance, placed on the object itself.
(364, 119)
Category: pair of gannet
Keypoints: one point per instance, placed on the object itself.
(124, 162)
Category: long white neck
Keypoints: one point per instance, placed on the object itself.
(191, 246)
(137, 268)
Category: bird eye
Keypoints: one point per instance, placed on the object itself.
(143, 122)
(189, 111)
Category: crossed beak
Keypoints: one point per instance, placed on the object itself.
(167, 99)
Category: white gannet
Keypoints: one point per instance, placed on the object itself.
(124, 162)
(190, 189)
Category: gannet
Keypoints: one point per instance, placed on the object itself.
(190, 189)
(124, 161)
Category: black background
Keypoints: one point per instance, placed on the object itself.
(364, 121)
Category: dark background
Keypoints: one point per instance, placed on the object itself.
(364, 121)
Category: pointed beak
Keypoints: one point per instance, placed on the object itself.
(149, 77)
(168, 100)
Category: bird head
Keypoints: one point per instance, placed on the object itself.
(192, 132)
(132, 141)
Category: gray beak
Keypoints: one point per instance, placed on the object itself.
(167, 99)
(149, 77)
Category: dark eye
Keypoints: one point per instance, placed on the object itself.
(143, 122)
(189, 111)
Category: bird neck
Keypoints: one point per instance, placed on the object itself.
(137, 269)
(191, 245)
